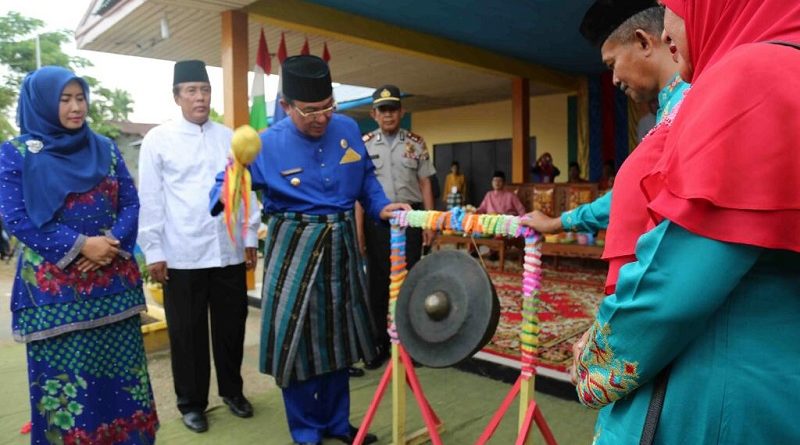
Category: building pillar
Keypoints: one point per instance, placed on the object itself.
(520, 142)
(234, 68)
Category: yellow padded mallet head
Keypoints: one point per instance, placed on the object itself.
(245, 144)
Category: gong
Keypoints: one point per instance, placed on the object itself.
(447, 309)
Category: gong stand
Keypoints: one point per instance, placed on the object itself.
(401, 365)
(529, 343)
(400, 369)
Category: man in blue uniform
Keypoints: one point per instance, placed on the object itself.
(315, 318)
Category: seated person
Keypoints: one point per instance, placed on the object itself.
(499, 201)
(607, 179)
(544, 171)
(574, 174)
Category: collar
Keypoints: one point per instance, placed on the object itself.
(670, 95)
(191, 127)
(381, 136)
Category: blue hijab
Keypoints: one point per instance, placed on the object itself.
(69, 161)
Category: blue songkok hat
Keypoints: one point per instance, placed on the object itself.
(62, 161)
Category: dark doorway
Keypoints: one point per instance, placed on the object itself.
(478, 161)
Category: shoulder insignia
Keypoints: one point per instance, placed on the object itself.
(416, 138)
(367, 137)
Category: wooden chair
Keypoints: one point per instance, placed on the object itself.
(571, 195)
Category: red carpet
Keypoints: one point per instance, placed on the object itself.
(569, 299)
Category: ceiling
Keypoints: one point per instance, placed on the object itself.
(543, 32)
(522, 29)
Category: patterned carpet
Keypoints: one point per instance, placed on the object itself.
(569, 299)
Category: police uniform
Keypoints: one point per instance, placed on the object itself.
(400, 166)
(400, 162)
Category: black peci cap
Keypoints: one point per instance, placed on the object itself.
(605, 16)
(306, 78)
(189, 71)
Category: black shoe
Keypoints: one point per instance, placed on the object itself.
(355, 372)
(377, 362)
(195, 421)
(348, 439)
(239, 406)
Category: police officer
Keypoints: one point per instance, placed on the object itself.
(404, 168)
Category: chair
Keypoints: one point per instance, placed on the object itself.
(572, 195)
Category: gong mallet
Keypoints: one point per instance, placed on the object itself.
(237, 183)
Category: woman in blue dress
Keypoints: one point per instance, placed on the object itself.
(66, 194)
(698, 343)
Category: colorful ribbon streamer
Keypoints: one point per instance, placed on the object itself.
(237, 183)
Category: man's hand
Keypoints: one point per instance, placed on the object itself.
(577, 350)
(100, 250)
(158, 272)
(251, 257)
(428, 237)
(542, 223)
(387, 212)
(360, 222)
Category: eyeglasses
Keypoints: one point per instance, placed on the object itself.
(310, 115)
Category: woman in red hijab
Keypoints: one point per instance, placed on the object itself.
(698, 344)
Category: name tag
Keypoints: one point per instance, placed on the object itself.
(291, 171)
(375, 156)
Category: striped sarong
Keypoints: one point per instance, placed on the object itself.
(315, 317)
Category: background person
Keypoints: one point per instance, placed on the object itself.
(544, 171)
(501, 202)
(404, 169)
(455, 179)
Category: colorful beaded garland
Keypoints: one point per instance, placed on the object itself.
(470, 224)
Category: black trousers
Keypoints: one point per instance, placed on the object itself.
(189, 296)
(376, 234)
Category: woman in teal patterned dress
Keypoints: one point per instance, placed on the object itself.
(66, 194)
